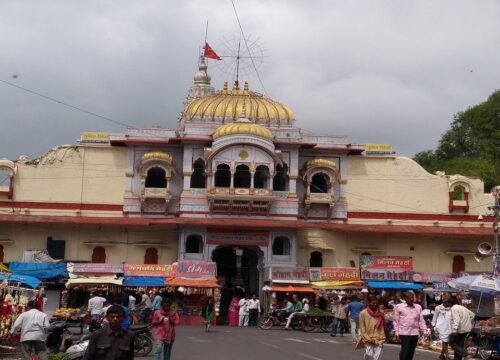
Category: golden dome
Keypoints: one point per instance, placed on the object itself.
(156, 155)
(243, 126)
(227, 105)
(320, 161)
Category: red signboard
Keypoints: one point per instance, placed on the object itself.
(232, 237)
(386, 262)
(94, 268)
(160, 270)
(385, 274)
(193, 269)
(334, 274)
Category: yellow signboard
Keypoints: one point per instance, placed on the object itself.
(94, 138)
(382, 149)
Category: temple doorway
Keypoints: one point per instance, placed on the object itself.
(237, 266)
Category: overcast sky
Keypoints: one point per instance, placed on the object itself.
(377, 71)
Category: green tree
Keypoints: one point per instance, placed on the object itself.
(471, 147)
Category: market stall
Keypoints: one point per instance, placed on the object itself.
(284, 282)
(194, 282)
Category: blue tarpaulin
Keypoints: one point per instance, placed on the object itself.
(393, 285)
(143, 281)
(27, 280)
(39, 270)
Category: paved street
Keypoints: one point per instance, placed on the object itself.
(252, 343)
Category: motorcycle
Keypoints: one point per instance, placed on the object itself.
(279, 318)
(143, 343)
(58, 335)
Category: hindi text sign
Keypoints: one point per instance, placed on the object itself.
(194, 269)
(386, 262)
(158, 270)
(334, 274)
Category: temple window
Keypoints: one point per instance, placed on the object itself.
(316, 259)
(99, 255)
(5, 176)
(242, 177)
(281, 246)
(459, 193)
(156, 178)
(198, 176)
(280, 180)
(261, 177)
(319, 183)
(458, 264)
(223, 176)
(194, 244)
(151, 256)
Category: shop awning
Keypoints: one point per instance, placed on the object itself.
(292, 288)
(24, 279)
(97, 280)
(393, 285)
(208, 283)
(336, 284)
(143, 281)
(39, 270)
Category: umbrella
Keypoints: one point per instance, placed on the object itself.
(485, 285)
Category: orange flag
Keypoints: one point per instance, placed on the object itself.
(210, 53)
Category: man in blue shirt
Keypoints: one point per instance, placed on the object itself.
(353, 310)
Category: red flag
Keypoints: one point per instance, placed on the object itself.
(210, 53)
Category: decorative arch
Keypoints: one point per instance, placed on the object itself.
(261, 177)
(194, 244)
(459, 189)
(280, 180)
(282, 246)
(151, 256)
(156, 169)
(222, 177)
(320, 183)
(316, 259)
(99, 255)
(198, 177)
(320, 176)
(242, 177)
(156, 178)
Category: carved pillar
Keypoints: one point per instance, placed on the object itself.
(238, 279)
(252, 178)
(233, 170)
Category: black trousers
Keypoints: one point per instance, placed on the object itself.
(253, 314)
(457, 343)
(408, 345)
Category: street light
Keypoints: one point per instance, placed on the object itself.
(486, 249)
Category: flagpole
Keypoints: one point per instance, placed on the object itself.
(205, 44)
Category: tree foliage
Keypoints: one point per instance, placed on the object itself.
(471, 147)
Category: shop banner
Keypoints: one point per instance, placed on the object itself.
(93, 268)
(194, 269)
(429, 277)
(385, 274)
(158, 270)
(333, 274)
(231, 237)
(386, 262)
(290, 274)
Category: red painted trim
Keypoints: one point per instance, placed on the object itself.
(410, 216)
(60, 206)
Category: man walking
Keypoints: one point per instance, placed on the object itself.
(96, 304)
(33, 325)
(461, 325)
(111, 342)
(253, 310)
(243, 312)
(339, 319)
(352, 311)
(408, 320)
(164, 320)
(371, 326)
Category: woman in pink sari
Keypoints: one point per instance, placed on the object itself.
(233, 312)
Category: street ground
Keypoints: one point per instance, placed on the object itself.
(230, 343)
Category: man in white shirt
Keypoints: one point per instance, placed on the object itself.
(253, 310)
(243, 313)
(96, 304)
(461, 325)
(33, 325)
(146, 306)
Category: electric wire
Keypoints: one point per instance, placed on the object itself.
(64, 103)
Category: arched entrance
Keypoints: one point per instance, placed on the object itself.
(240, 276)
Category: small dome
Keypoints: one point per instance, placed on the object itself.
(226, 105)
(156, 155)
(243, 126)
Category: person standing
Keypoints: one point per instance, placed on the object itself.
(157, 301)
(33, 325)
(461, 325)
(407, 321)
(208, 312)
(96, 304)
(111, 342)
(164, 320)
(371, 326)
(353, 310)
(253, 310)
(145, 305)
(339, 319)
(243, 315)
(441, 321)
(233, 312)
